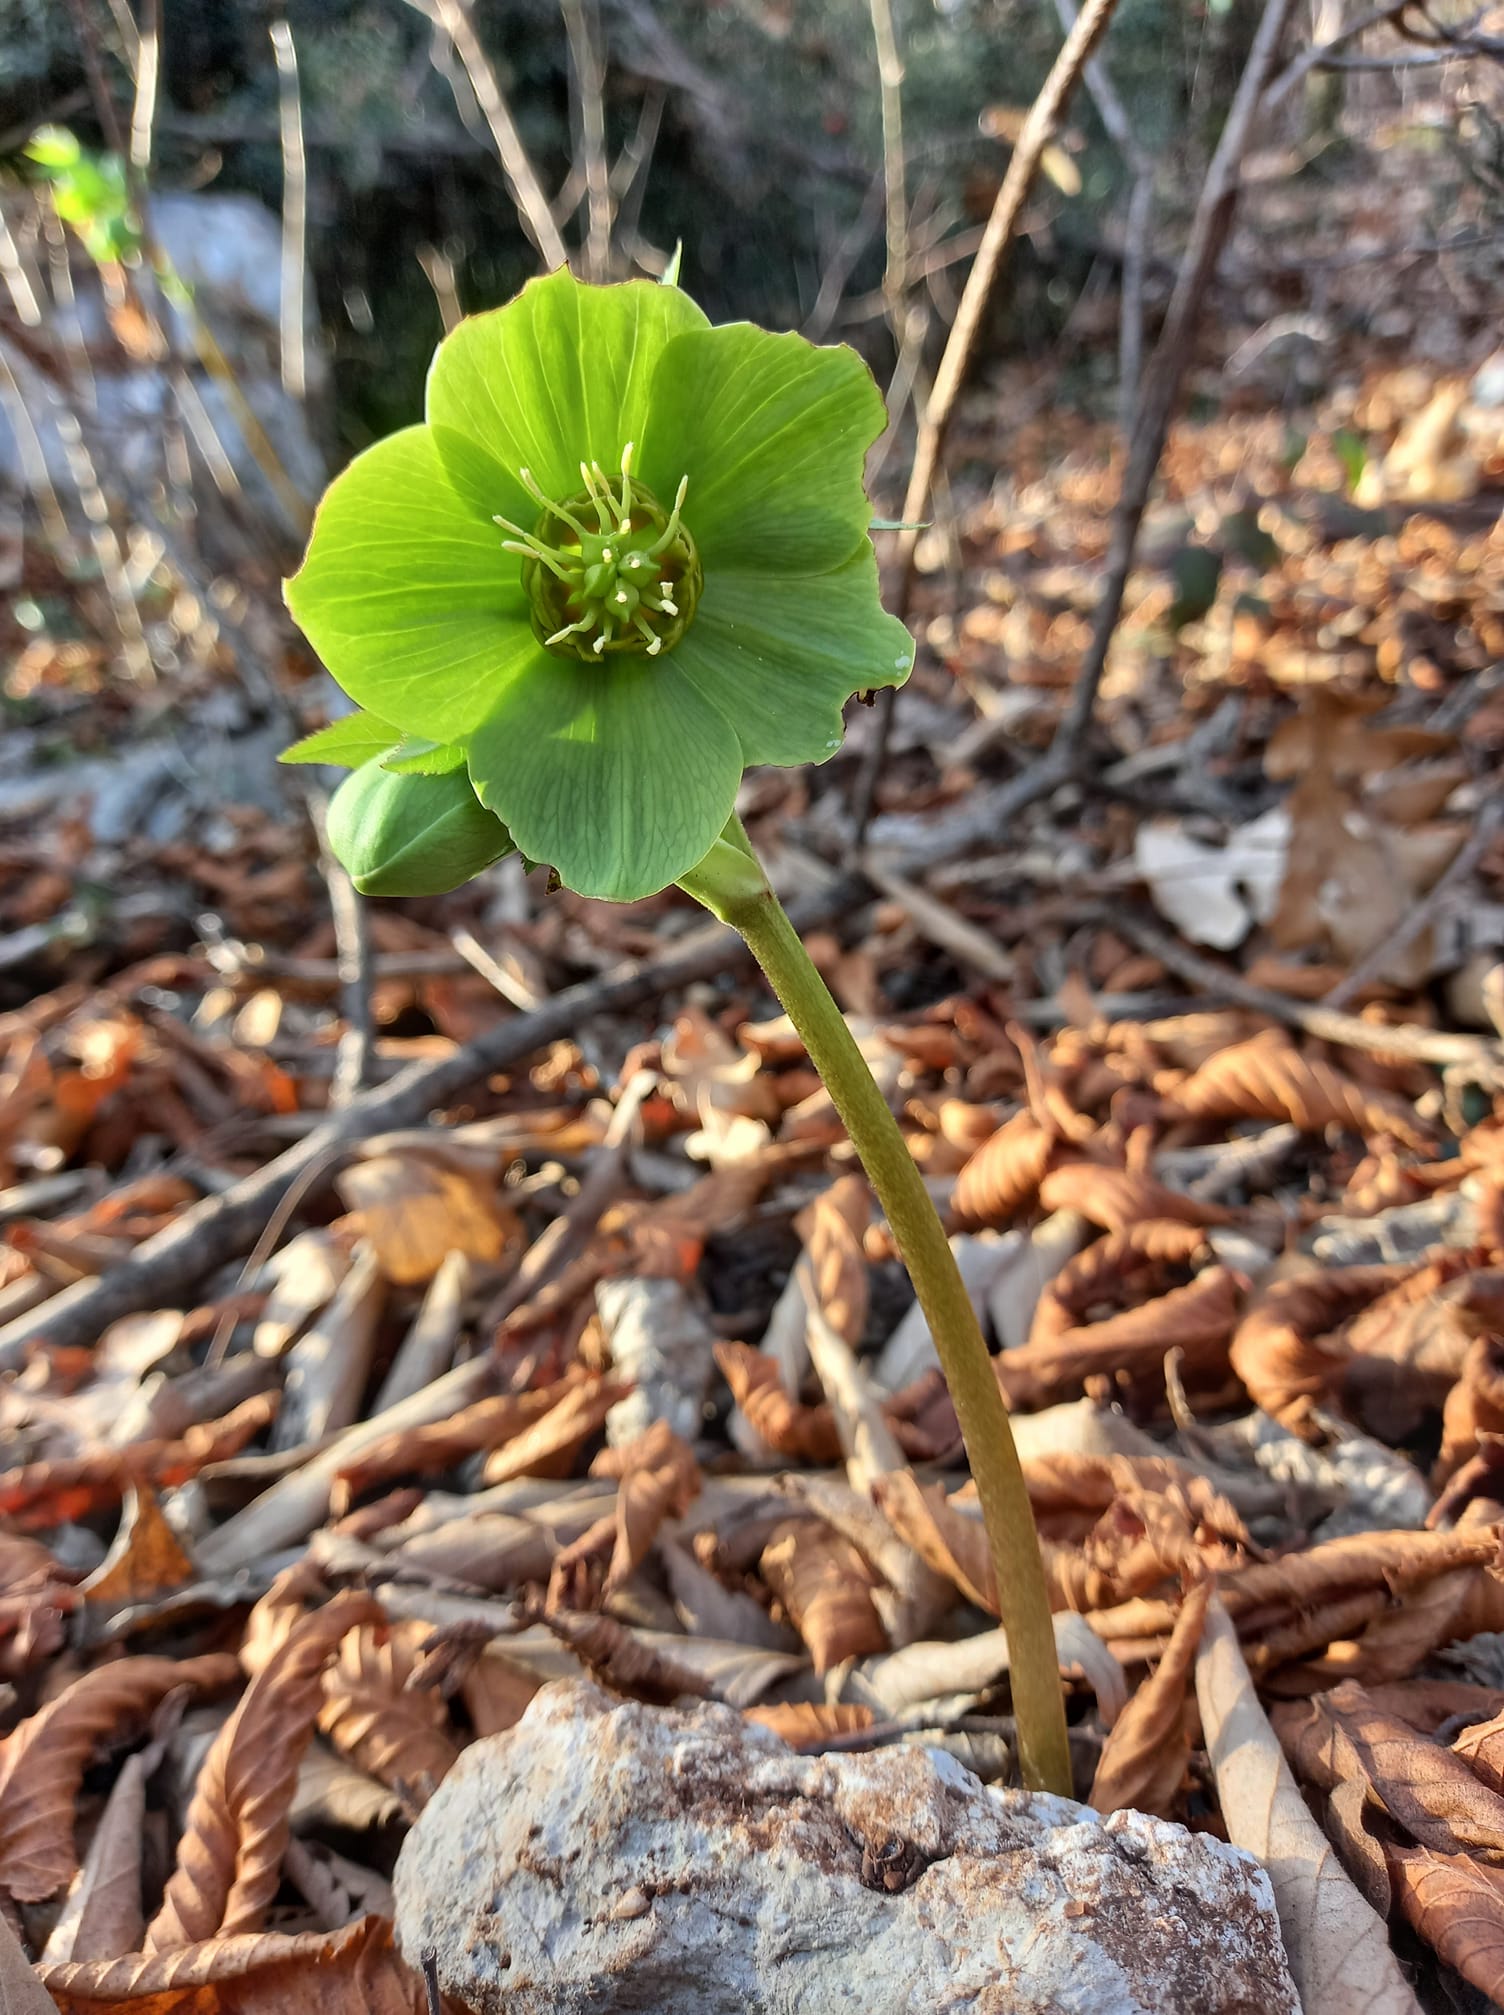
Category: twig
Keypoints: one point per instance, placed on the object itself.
(895, 191)
(1479, 1058)
(942, 925)
(352, 945)
(220, 1227)
(939, 407)
(147, 67)
(1408, 929)
(1312, 58)
(294, 210)
(1114, 117)
(512, 986)
(1161, 387)
(438, 271)
(567, 1234)
(527, 192)
(582, 27)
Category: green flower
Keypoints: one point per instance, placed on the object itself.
(625, 557)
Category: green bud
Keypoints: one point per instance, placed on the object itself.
(412, 835)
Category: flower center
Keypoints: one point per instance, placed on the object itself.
(607, 570)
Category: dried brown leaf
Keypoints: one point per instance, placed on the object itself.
(230, 1855)
(810, 1724)
(1428, 1789)
(1266, 1077)
(826, 1587)
(356, 1970)
(1457, 1905)
(1116, 1198)
(438, 1444)
(1002, 1178)
(1339, 1949)
(548, 1447)
(416, 1210)
(44, 1494)
(43, 1760)
(789, 1427)
(832, 1228)
(373, 1714)
(1198, 1320)
(1144, 1758)
(1285, 1351)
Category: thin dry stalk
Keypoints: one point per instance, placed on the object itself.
(294, 210)
(1161, 388)
(452, 21)
(1038, 128)
(582, 25)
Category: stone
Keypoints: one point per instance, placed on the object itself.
(605, 1856)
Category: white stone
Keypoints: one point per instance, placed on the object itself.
(601, 1857)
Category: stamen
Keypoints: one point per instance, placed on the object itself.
(667, 535)
(655, 642)
(599, 492)
(531, 550)
(626, 485)
(599, 646)
(569, 630)
(565, 517)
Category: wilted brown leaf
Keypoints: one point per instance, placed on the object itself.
(809, 1724)
(1144, 1759)
(396, 1732)
(43, 1760)
(356, 1970)
(832, 1228)
(1457, 1906)
(416, 1209)
(230, 1855)
(659, 1479)
(1339, 1951)
(1002, 1178)
(45, 1494)
(1266, 1077)
(826, 1587)
(788, 1426)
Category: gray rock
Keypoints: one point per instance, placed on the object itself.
(601, 1857)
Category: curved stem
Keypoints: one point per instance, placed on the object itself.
(730, 882)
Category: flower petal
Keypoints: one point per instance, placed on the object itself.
(780, 656)
(558, 376)
(618, 776)
(772, 433)
(407, 595)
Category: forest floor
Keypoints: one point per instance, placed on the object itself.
(577, 1344)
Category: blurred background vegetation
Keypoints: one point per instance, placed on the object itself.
(747, 130)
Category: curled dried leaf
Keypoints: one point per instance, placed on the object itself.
(230, 1856)
(42, 1762)
(44, 1494)
(826, 1587)
(1002, 1178)
(1198, 1320)
(395, 1731)
(1284, 1349)
(1144, 1759)
(1116, 1198)
(356, 1970)
(810, 1724)
(1266, 1077)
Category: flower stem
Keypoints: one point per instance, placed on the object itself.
(730, 882)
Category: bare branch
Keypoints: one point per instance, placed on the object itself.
(583, 28)
(452, 20)
(294, 211)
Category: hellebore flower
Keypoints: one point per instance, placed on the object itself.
(625, 556)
